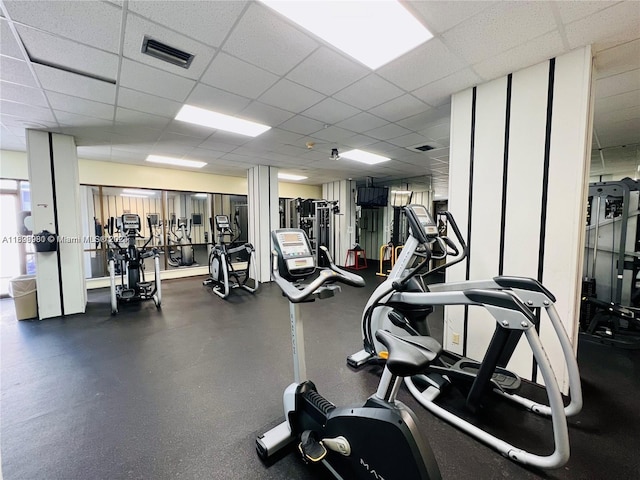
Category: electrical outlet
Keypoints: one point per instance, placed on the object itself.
(456, 339)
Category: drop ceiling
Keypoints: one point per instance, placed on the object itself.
(76, 68)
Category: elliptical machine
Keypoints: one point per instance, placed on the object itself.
(181, 242)
(129, 262)
(377, 440)
(402, 304)
(225, 274)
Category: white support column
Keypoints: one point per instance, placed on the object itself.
(55, 199)
(518, 174)
(263, 215)
(344, 224)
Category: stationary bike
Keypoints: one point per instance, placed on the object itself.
(379, 440)
(128, 261)
(227, 272)
(182, 243)
(402, 304)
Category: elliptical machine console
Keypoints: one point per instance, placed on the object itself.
(377, 440)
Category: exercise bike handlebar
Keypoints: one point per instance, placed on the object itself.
(330, 275)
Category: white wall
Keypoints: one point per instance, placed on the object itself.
(518, 173)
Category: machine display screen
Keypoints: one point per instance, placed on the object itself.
(222, 221)
(130, 221)
(293, 245)
(425, 220)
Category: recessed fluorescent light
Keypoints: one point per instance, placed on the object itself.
(133, 196)
(180, 162)
(364, 157)
(220, 121)
(289, 176)
(373, 33)
(200, 195)
(401, 192)
(136, 191)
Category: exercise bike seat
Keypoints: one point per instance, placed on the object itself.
(409, 355)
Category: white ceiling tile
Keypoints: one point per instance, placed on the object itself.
(229, 73)
(362, 122)
(439, 92)
(266, 114)
(369, 92)
(610, 27)
(217, 100)
(79, 121)
(617, 102)
(533, 52)
(66, 103)
(22, 94)
(217, 145)
(420, 121)
(410, 140)
(302, 125)
(572, 11)
(263, 38)
(399, 108)
(92, 23)
(16, 71)
(154, 81)
(181, 140)
(441, 16)
(499, 28)
(423, 65)
(290, 96)
(331, 111)
(358, 141)
(189, 129)
(143, 102)
(229, 137)
(327, 71)
(26, 112)
(8, 43)
(11, 142)
(208, 22)
(138, 27)
(617, 84)
(436, 131)
(124, 116)
(388, 131)
(52, 50)
(619, 59)
(134, 133)
(617, 116)
(332, 134)
(75, 85)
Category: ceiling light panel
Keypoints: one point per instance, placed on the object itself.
(289, 176)
(364, 157)
(220, 121)
(180, 162)
(374, 33)
(136, 191)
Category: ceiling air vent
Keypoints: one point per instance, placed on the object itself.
(424, 148)
(421, 148)
(164, 52)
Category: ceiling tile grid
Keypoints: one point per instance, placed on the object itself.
(253, 63)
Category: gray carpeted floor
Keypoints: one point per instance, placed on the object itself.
(182, 392)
